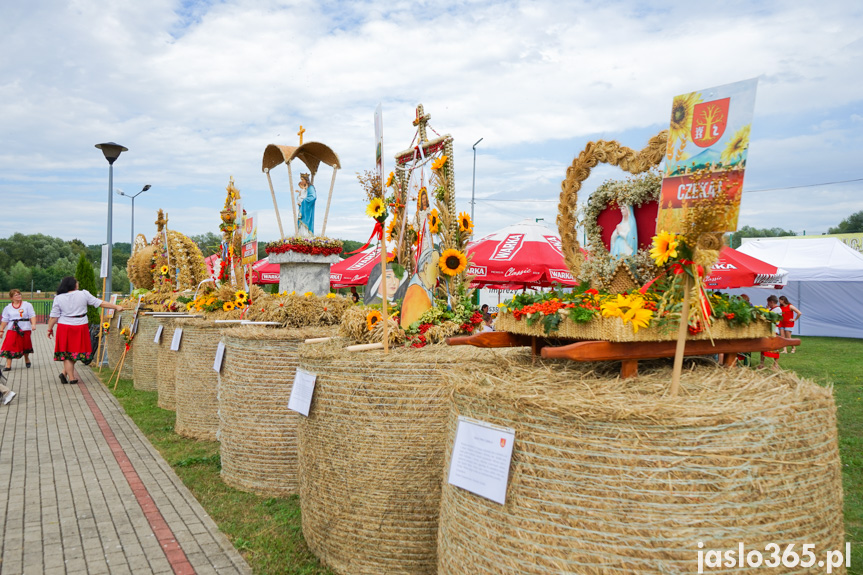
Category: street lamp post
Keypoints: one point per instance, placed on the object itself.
(112, 151)
(132, 241)
(473, 185)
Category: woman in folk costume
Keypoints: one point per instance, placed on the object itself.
(20, 315)
(306, 199)
(69, 314)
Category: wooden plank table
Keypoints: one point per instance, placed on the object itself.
(627, 352)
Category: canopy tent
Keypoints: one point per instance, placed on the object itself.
(355, 270)
(735, 269)
(263, 272)
(312, 154)
(825, 280)
(526, 254)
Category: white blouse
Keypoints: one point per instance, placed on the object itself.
(25, 311)
(71, 304)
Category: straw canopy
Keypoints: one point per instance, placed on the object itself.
(310, 153)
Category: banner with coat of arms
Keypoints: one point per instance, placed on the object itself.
(708, 143)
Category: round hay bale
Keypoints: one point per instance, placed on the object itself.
(609, 476)
(166, 371)
(196, 383)
(371, 454)
(145, 354)
(257, 431)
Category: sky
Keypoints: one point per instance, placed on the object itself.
(196, 90)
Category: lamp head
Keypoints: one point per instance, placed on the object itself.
(112, 151)
(147, 187)
(119, 192)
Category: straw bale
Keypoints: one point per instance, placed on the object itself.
(613, 329)
(196, 384)
(354, 327)
(609, 476)
(256, 429)
(166, 372)
(145, 354)
(117, 343)
(112, 343)
(371, 454)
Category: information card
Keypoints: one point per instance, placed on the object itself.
(220, 355)
(302, 391)
(480, 459)
(175, 343)
(158, 334)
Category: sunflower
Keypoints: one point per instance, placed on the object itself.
(331, 295)
(736, 146)
(239, 303)
(630, 309)
(664, 247)
(190, 305)
(241, 295)
(464, 223)
(434, 221)
(106, 326)
(391, 179)
(228, 306)
(164, 270)
(681, 118)
(309, 294)
(452, 262)
(391, 229)
(372, 319)
(376, 209)
(439, 163)
(391, 258)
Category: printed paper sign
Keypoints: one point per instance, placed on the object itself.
(250, 239)
(103, 268)
(302, 391)
(480, 459)
(708, 143)
(110, 313)
(220, 355)
(135, 316)
(119, 321)
(158, 334)
(175, 343)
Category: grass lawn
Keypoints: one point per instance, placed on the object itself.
(268, 533)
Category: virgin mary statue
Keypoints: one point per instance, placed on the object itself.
(306, 199)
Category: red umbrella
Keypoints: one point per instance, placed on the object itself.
(354, 271)
(735, 269)
(526, 254)
(263, 272)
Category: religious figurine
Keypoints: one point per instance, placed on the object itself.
(306, 200)
(624, 238)
(420, 292)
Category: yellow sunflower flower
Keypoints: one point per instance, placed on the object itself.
(239, 303)
(372, 319)
(390, 179)
(228, 306)
(190, 305)
(241, 295)
(630, 309)
(664, 247)
(391, 230)
(331, 295)
(434, 221)
(452, 262)
(464, 223)
(164, 270)
(106, 325)
(736, 145)
(309, 294)
(439, 163)
(682, 110)
(376, 208)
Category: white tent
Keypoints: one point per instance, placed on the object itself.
(825, 281)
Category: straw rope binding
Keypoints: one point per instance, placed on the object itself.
(166, 371)
(145, 354)
(610, 477)
(257, 431)
(196, 384)
(371, 454)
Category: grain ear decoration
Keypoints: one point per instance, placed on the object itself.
(609, 476)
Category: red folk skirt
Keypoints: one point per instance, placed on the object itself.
(16, 344)
(72, 342)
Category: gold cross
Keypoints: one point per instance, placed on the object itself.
(421, 121)
(300, 134)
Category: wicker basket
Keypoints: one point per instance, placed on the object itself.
(145, 354)
(196, 383)
(166, 372)
(116, 344)
(609, 476)
(613, 329)
(257, 431)
(371, 454)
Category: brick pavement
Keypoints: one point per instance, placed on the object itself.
(83, 491)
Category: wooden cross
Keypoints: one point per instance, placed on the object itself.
(300, 134)
(161, 221)
(421, 121)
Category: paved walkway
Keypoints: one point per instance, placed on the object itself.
(83, 491)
